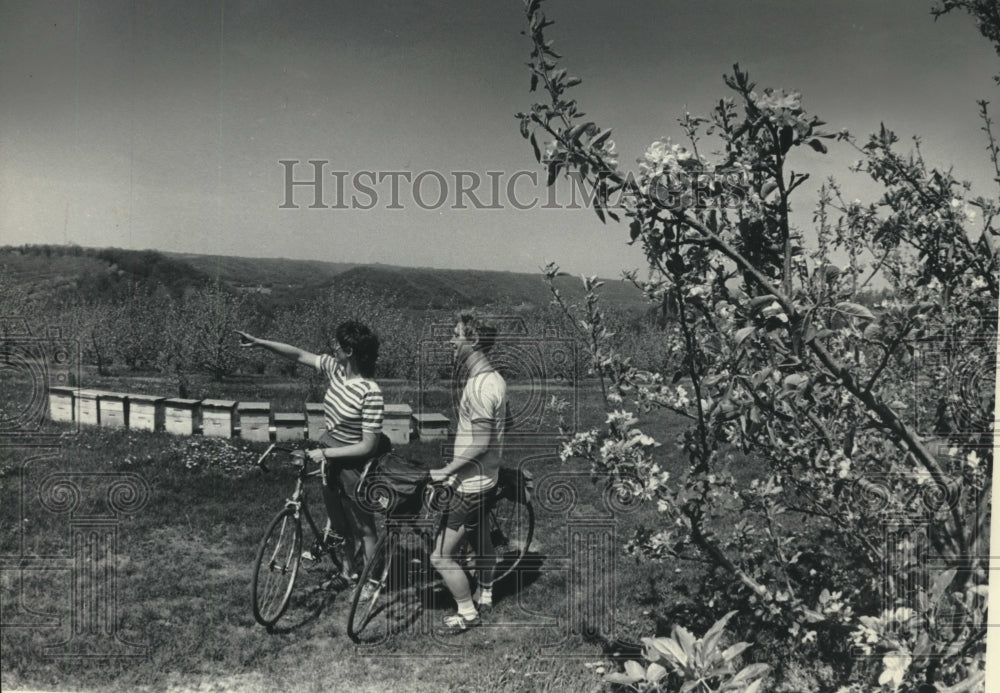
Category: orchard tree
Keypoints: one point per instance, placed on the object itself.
(846, 413)
(138, 323)
(200, 334)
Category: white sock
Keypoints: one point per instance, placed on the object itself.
(466, 609)
(485, 595)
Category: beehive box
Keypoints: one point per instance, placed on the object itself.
(145, 412)
(218, 418)
(181, 416)
(113, 407)
(87, 407)
(315, 420)
(61, 403)
(290, 426)
(396, 423)
(255, 420)
(431, 426)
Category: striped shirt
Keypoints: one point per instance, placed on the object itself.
(350, 407)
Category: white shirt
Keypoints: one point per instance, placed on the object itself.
(484, 401)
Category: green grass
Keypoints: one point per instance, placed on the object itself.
(183, 573)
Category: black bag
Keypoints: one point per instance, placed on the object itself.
(515, 484)
(392, 483)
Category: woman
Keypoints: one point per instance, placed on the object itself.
(353, 412)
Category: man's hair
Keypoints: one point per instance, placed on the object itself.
(363, 344)
(473, 326)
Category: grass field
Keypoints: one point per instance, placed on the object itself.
(176, 569)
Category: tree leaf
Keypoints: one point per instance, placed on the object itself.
(872, 330)
(667, 649)
(621, 678)
(634, 229)
(635, 670)
(759, 302)
(713, 634)
(734, 651)
(795, 381)
(534, 146)
(553, 172)
(602, 138)
(749, 672)
(686, 639)
(855, 310)
(785, 136)
(817, 145)
(655, 672)
(742, 334)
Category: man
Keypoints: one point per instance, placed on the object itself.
(473, 472)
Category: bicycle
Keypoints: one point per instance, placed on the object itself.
(280, 553)
(509, 515)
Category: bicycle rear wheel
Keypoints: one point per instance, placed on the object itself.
(276, 566)
(512, 524)
(370, 601)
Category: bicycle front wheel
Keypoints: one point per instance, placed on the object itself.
(370, 600)
(276, 566)
(512, 524)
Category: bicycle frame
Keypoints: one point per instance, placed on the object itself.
(297, 501)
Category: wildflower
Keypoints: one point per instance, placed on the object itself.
(566, 452)
(972, 460)
(621, 419)
(844, 467)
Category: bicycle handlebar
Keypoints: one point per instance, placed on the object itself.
(295, 452)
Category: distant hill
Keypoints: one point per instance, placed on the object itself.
(58, 273)
(421, 288)
(263, 272)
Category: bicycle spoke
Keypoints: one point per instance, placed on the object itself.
(276, 567)
(512, 524)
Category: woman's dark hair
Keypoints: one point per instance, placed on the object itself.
(363, 344)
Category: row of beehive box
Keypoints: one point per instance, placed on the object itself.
(222, 418)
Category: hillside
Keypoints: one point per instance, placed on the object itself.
(420, 288)
(50, 274)
(263, 272)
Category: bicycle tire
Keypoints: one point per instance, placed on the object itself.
(512, 526)
(364, 613)
(276, 567)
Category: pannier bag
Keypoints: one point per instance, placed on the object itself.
(392, 483)
(515, 484)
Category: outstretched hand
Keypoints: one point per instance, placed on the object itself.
(247, 340)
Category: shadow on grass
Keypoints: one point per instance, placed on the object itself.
(526, 574)
(415, 591)
(308, 603)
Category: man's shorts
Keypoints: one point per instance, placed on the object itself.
(466, 509)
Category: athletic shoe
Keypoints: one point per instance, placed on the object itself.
(457, 624)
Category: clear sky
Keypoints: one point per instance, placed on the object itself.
(160, 124)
